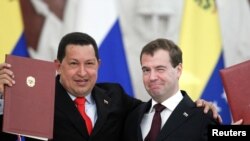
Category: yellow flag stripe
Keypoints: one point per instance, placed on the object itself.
(11, 26)
(200, 40)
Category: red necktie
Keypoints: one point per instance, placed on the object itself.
(80, 104)
(156, 123)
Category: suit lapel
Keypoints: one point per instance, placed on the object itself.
(103, 103)
(142, 110)
(65, 105)
(181, 113)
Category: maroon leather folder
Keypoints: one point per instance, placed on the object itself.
(236, 82)
(29, 104)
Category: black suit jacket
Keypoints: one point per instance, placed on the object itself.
(113, 106)
(186, 123)
(5, 136)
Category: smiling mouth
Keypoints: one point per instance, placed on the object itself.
(81, 82)
(154, 86)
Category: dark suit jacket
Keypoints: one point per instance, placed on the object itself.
(5, 136)
(113, 106)
(186, 123)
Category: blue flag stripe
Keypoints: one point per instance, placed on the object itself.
(114, 66)
(214, 92)
(21, 47)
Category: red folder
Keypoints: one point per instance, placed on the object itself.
(236, 82)
(29, 103)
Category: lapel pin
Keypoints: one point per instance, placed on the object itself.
(105, 101)
(185, 114)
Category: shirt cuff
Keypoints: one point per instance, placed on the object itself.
(1, 106)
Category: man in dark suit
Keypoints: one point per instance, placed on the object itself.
(180, 119)
(107, 105)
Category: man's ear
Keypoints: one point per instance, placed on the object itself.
(99, 62)
(58, 65)
(179, 69)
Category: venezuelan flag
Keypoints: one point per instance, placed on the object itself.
(200, 40)
(11, 30)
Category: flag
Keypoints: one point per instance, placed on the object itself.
(200, 40)
(235, 51)
(100, 19)
(11, 34)
(12, 39)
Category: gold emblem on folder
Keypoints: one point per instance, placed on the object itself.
(30, 81)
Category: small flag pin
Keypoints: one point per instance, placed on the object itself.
(105, 101)
(185, 114)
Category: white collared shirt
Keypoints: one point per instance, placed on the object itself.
(170, 105)
(90, 107)
(1, 106)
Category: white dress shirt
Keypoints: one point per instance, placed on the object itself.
(90, 108)
(170, 105)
